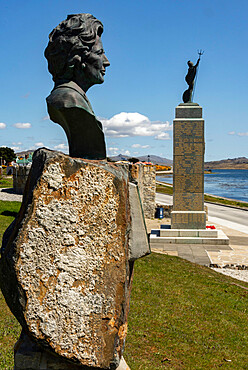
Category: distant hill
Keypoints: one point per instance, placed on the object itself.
(235, 163)
(153, 158)
(24, 152)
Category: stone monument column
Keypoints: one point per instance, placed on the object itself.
(188, 168)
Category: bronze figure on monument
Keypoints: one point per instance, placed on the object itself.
(190, 79)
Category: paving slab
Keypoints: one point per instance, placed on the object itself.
(205, 254)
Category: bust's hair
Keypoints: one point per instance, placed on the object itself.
(70, 42)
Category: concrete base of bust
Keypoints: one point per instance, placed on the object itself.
(188, 220)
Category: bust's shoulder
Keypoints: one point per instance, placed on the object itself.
(69, 95)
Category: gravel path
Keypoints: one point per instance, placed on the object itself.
(236, 274)
(8, 194)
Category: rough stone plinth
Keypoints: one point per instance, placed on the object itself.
(188, 168)
(67, 259)
(20, 175)
(145, 175)
(30, 355)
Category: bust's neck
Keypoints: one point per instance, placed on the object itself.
(82, 85)
(80, 79)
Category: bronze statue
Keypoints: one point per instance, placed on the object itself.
(190, 79)
(77, 61)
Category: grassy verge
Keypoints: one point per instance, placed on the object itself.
(218, 200)
(10, 331)
(9, 326)
(165, 189)
(6, 181)
(8, 212)
(185, 316)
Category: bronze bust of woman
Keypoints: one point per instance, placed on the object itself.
(77, 61)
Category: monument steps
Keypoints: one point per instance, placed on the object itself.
(160, 237)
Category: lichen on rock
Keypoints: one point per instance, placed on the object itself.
(65, 258)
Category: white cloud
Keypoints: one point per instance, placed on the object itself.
(140, 146)
(38, 145)
(126, 152)
(16, 148)
(22, 125)
(133, 124)
(2, 125)
(113, 151)
(163, 136)
(45, 118)
(238, 133)
(242, 133)
(62, 146)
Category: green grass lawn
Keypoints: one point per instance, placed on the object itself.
(219, 200)
(9, 326)
(6, 181)
(182, 316)
(8, 212)
(164, 189)
(185, 316)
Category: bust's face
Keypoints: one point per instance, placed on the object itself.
(96, 64)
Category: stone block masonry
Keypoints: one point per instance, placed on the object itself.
(188, 168)
(146, 179)
(20, 175)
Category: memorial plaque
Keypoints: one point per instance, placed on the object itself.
(189, 201)
(188, 164)
(188, 169)
(189, 130)
(188, 183)
(188, 147)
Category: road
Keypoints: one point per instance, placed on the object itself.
(234, 218)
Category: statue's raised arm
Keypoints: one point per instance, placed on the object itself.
(190, 79)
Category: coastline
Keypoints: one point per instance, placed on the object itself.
(225, 168)
(223, 201)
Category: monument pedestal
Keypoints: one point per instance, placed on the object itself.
(188, 218)
(188, 168)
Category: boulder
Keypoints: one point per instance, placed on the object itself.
(67, 259)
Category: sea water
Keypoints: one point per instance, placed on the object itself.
(231, 184)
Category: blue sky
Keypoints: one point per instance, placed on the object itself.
(148, 43)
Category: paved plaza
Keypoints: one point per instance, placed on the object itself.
(206, 254)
